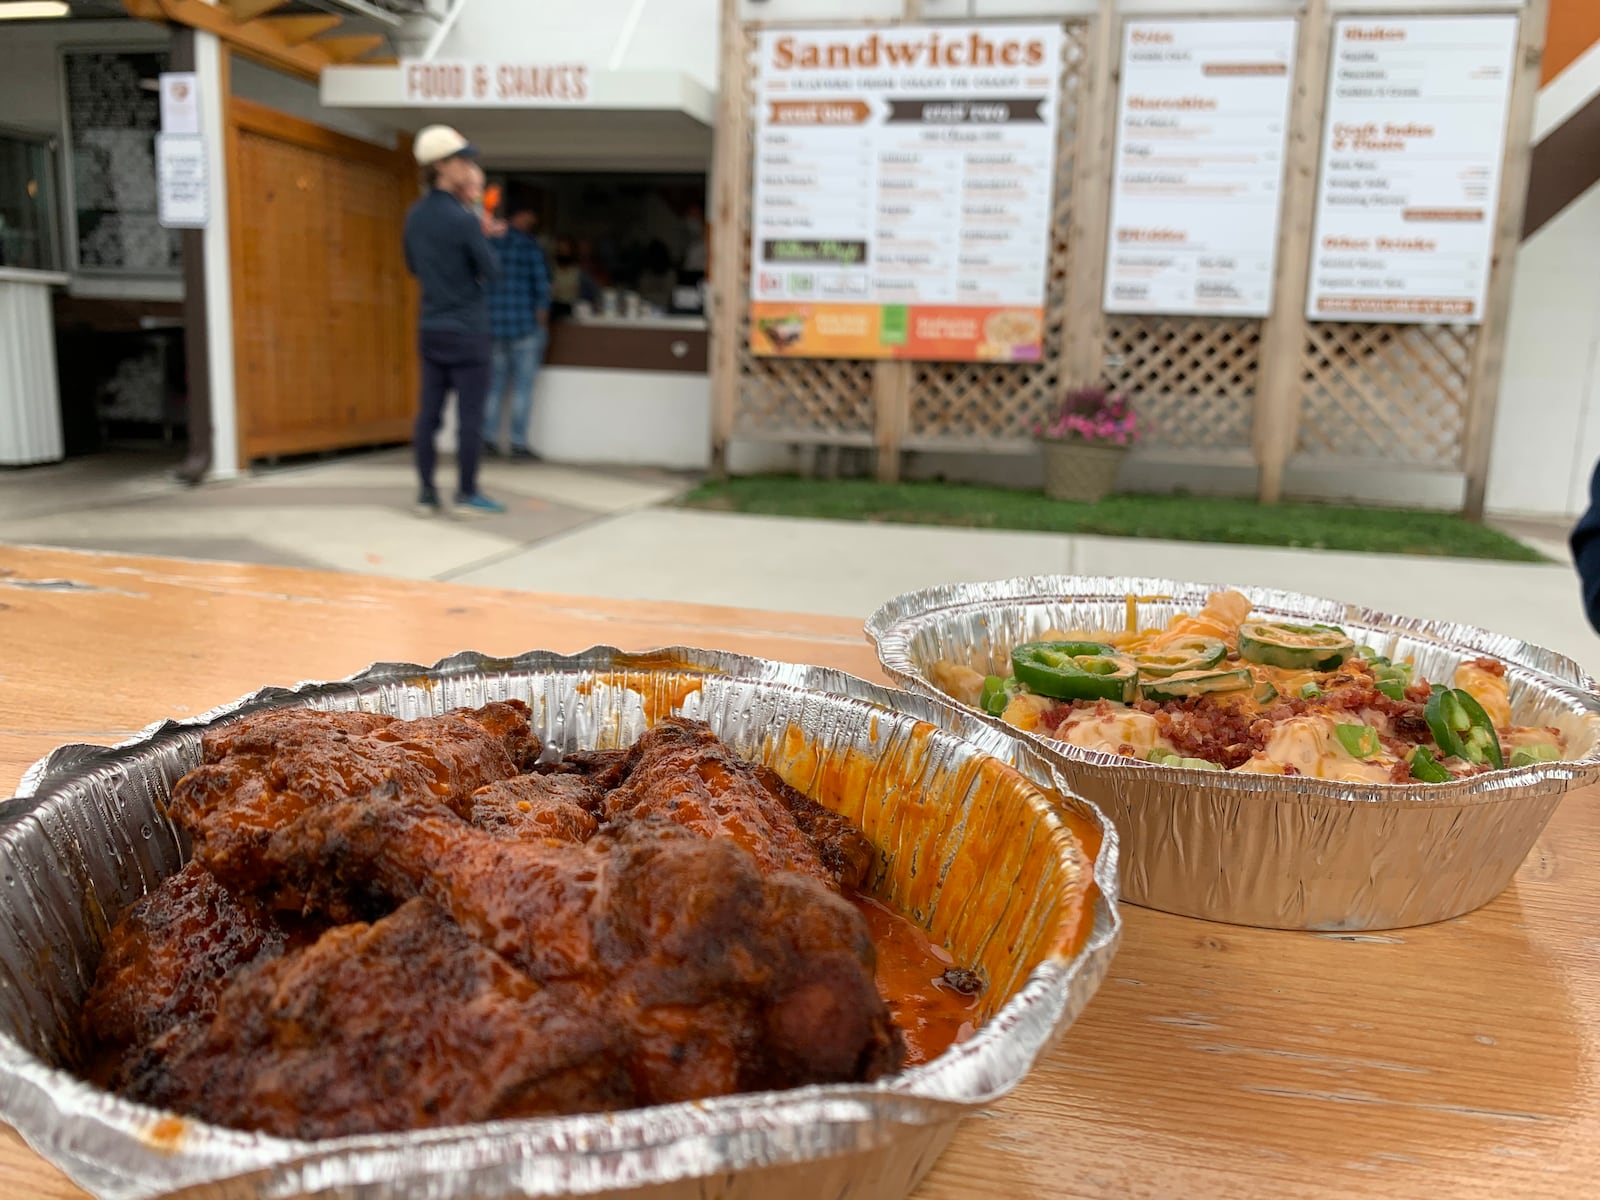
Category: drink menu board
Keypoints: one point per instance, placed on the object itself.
(903, 191)
(112, 121)
(1199, 166)
(1410, 183)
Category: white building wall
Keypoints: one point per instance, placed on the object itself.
(1547, 430)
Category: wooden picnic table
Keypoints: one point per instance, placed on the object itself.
(1459, 1060)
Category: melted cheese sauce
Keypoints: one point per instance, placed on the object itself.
(1122, 727)
(1310, 746)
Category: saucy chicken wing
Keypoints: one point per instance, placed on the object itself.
(261, 775)
(390, 925)
(402, 1024)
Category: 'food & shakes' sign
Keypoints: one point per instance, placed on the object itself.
(464, 84)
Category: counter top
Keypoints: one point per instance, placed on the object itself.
(1453, 1062)
(42, 278)
(658, 322)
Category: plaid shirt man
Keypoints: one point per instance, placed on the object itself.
(522, 289)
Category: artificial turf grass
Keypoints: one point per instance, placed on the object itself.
(1182, 518)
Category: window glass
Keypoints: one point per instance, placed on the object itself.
(27, 205)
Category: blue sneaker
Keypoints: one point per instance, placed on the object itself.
(478, 505)
(428, 503)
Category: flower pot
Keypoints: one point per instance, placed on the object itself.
(1080, 471)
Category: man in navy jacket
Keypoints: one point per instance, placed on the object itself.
(447, 249)
(1586, 551)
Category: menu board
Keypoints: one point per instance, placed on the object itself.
(1199, 167)
(112, 120)
(1410, 183)
(903, 191)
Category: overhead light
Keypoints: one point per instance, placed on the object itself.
(33, 10)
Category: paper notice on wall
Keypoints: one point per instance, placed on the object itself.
(1410, 183)
(183, 186)
(1198, 173)
(904, 188)
(180, 102)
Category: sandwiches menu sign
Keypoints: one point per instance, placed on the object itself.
(903, 191)
(1411, 151)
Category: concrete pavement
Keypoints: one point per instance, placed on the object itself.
(604, 533)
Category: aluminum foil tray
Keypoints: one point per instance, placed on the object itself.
(1268, 850)
(88, 834)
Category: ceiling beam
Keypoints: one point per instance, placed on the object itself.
(249, 10)
(348, 49)
(256, 39)
(298, 30)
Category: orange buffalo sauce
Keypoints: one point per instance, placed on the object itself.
(912, 978)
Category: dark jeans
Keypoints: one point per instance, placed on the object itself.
(456, 362)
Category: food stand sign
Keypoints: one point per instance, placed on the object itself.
(904, 187)
(1411, 154)
(1199, 169)
(461, 84)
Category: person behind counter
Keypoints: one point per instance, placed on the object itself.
(519, 320)
(447, 249)
(658, 278)
(569, 281)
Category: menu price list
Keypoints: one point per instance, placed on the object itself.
(112, 121)
(1202, 120)
(1410, 180)
(916, 204)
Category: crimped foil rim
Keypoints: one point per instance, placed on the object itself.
(48, 1105)
(891, 628)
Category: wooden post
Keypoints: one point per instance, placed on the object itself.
(1488, 352)
(729, 150)
(891, 378)
(891, 403)
(1095, 142)
(1283, 333)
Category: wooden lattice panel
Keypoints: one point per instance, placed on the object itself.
(1391, 392)
(1192, 379)
(971, 402)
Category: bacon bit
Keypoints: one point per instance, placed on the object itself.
(1400, 772)
(1492, 665)
(1290, 769)
(1127, 751)
(1051, 718)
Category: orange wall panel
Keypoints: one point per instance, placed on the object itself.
(1574, 27)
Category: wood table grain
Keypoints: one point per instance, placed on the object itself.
(1457, 1060)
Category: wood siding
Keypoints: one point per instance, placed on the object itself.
(323, 308)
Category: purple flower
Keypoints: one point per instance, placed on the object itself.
(1095, 415)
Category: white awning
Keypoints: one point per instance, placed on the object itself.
(628, 120)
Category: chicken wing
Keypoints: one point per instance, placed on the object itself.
(262, 774)
(723, 976)
(166, 961)
(686, 775)
(403, 1024)
(632, 927)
